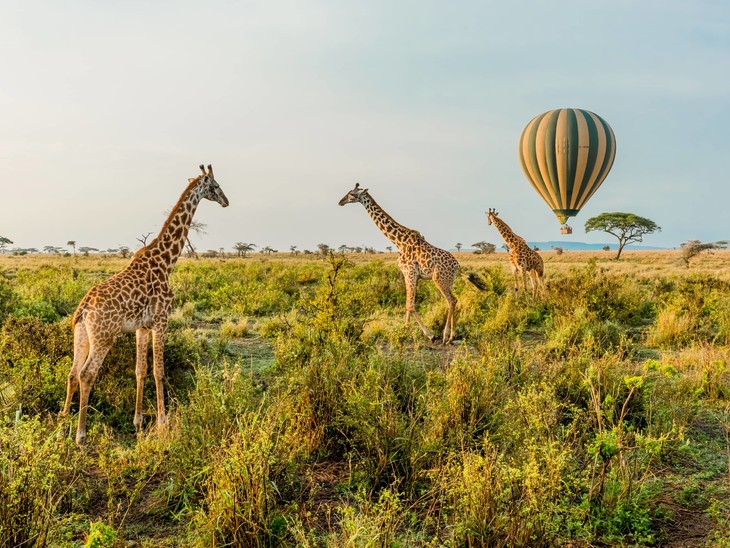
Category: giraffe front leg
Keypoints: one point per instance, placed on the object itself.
(143, 337)
(158, 349)
(524, 279)
(411, 279)
(513, 268)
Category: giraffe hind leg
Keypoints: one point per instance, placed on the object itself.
(81, 352)
(86, 377)
(446, 290)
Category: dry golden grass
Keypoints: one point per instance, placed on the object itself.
(649, 264)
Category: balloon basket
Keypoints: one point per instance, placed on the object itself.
(565, 229)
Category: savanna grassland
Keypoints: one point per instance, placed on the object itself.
(303, 412)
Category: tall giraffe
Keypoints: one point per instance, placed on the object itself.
(136, 299)
(522, 258)
(418, 259)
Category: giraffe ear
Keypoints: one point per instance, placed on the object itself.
(192, 179)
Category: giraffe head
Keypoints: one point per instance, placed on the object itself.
(491, 215)
(209, 187)
(355, 195)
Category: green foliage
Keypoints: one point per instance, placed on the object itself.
(34, 362)
(569, 418)
(51, 292)
(627, 227)
(8, 299)
(691, 310)
(100, 536)
(37, 472)
(239, 507)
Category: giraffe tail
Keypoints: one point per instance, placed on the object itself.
(477, 281)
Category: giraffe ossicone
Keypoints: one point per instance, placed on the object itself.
(137, 299)
(418, 259)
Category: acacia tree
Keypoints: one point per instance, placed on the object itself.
(72, 243)
(626, 227)
(4, 242)
(243, 248)
(484, 248)
(692, 248)
(458, 246)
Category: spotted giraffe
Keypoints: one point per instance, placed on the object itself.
(522, 258)
(418, 259)
(137, 299)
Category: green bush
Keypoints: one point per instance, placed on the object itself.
(37, 471)
(34, 363)
(100, 536)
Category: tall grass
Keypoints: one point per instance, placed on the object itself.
(568, 418)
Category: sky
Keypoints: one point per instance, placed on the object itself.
(109, 107)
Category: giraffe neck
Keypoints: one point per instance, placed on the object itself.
(510, 238)
(169, 243)
(395, 232)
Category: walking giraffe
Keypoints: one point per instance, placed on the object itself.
(136, 299)
(522, 259)
(418, 259)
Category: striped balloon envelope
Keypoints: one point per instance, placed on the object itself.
(566, 154)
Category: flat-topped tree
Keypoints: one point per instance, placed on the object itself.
(4, 242)
(626, 227)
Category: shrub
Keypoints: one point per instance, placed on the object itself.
(36, 471)
(8, 299)
(100, 536)
(34, 362)
(240, 496)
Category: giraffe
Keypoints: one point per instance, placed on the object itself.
(418, 259)
(522, 259)
(137, 299)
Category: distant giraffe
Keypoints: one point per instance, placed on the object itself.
(136, 299)
(522, 258)
(417, 259)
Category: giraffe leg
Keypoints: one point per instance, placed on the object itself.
(81, 352)
(513, 268)
(87, 377)
(411, 279)
(524, 279)
(143, 338)
(533, 282)
(158, 348)
(445, 287)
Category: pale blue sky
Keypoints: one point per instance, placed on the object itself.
(108, 108)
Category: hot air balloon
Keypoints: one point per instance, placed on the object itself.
(566, 155)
